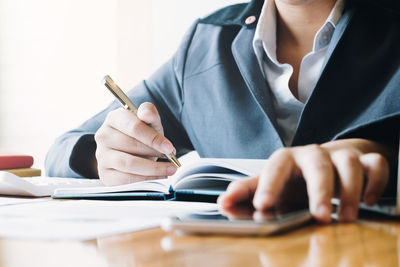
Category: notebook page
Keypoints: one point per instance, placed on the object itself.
(218, 167)
(161, 185)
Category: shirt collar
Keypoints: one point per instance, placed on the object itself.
(265, 34)
(324, 35)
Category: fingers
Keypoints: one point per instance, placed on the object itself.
(376, 169)
(317, 169)
(128, 145)
(129, 124)
(116, 140)
(276, 173)
(351, 175)
(314, 164)
(124, 162)
(237, 212)
(113, 177)
(320, 166)
(352, 167)
(238, 192)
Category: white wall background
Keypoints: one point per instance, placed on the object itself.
(54, 53)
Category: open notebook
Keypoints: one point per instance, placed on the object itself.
(201, 180)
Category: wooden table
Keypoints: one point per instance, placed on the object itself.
(364, 243)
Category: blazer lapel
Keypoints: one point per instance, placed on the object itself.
(340, 29)
(358, 85)
(246, 60)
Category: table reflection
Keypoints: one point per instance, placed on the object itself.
(364, 243)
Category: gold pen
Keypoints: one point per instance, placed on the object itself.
(127, 104)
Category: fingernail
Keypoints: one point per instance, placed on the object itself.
(348, 213)
(262, 201)
(141, 111)
(167, 147)
(171, 170)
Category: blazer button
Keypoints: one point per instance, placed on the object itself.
(250, 20)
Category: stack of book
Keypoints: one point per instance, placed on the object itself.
(18, 164)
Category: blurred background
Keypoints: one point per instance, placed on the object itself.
(54, 54)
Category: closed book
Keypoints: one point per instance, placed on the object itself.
(11, 160)
(25, 172)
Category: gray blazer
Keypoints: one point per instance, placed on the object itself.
(213, 98)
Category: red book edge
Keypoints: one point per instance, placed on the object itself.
(13, 161)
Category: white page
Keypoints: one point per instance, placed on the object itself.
(207, 181)
(5, 201)
(160, 185)
(247, 167)
(87, 219)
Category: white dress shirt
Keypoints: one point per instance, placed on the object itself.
(287, 107)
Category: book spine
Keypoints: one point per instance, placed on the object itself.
(115, 196)
(24, 172)
(14, 162)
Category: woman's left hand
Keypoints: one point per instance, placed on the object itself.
(342, 164)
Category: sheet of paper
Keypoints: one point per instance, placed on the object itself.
(6, 201)
(88, 219)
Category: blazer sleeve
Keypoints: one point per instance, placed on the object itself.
(73, 153)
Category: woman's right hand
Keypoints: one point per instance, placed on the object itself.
(129, 145)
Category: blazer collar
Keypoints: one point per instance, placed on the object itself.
(236, 14)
